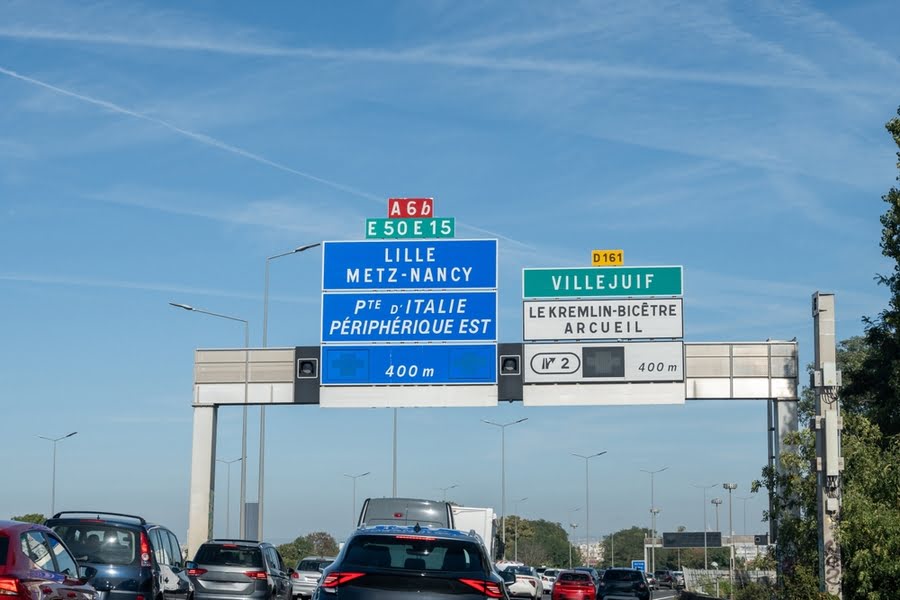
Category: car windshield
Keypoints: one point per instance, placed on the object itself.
(100, 543)
(622, 575)
(583, 577)
(520, 570)
(229, 555)
(314, 565)
(413, 552)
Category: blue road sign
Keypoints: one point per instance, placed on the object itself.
(409, 317)
(428, 264)
(410, 364)
(640, 565)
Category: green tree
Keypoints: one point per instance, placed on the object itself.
(318, 543)
(31, 518)
(540, 542)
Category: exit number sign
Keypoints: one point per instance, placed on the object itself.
(410, 208)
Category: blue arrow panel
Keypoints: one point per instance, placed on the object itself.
(409, 364)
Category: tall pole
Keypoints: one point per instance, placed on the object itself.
(587, 499)
(243, 521)
(262, 409)
(228, 494)
(503, 427)
(653, 518)
(744, 499)
(572, 526)
(53, 475)
(730, 487)
(705, 527)
(354, 478)
(716, 502)
(826, 380)
(518, 518)
(394, 460)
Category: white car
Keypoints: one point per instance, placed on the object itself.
(528, 583)
(548, 578)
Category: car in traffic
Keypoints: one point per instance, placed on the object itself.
(239, 570)
(548, 577)
(651, 581)
(595, 575)
(134, 559)
(573, 585)
(678, 580)
(412, 563)
(663, 577)
(406, 511)
(620, 583)
(307, 574)
(527, 584)
(35, 563)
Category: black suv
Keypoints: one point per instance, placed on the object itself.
(239, 570)
(624, 583)
(388, 562)
(135, 560)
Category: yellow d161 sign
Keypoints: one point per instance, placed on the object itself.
(607, 258)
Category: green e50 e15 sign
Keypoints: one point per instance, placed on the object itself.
(441, 227)
(601, 282)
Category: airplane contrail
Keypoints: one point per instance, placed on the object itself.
(216, 143)
(198, 137)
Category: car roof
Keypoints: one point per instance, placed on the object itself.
(222, 541)
(19, 526)
(117, 519)
(318, 558)
(438, 532)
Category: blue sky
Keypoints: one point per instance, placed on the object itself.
(158, 152)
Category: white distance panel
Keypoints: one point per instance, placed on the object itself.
(602, 319)
(604, 362)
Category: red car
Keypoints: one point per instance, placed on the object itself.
(36, 565)
(574, 585)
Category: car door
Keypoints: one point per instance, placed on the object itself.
(278, 573)
(179, 587)
(65, 565)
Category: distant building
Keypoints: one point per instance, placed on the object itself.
(592, 554)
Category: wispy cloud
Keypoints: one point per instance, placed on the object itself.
(122, 284)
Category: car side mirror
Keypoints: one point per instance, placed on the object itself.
(190, 565)
(86, 573)
(508, 576)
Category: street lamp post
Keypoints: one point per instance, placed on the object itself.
(653, 518)
(53, 476)
(744, 499)
(573, 527)
(518, 518)
(587, 499)
(730, 487)
(503, 427)
(228, 495)
(717, 502)
(243, 517)
(705, 527)
(354, 478)
(444, 491)
(262, 408)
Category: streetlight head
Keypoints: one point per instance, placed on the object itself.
(521, 420)
(306, 247)
(184, 306)
(70, 435)
(729, 486)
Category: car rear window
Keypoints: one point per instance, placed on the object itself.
(421, 553)
(520, 570)
(313, 565)
(4, 549)
(583, 577)
(622, 576)
(229, 555)
(100, 543)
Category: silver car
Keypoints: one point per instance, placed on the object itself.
(306, 576)
(239, 570)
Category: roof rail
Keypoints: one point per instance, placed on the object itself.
(234, 540)
(98, 513)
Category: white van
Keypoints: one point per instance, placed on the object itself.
(406, 511)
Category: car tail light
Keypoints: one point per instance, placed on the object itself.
(260, 575)
(196, 572)
(139, 597)
(295, 575)
(229, 546)
(488, 588)
(415, 537)
(533, 583)
(145, 550)
(333, 580)
(9, 586)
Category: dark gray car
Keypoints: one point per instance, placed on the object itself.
(239, 570)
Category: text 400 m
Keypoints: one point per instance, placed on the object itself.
(657, 367)
(410, 371)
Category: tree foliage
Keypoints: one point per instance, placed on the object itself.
(37, 518)
(539, 543)
(317, 543)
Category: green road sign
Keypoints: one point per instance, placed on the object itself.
(410, 228)
(592, 282)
